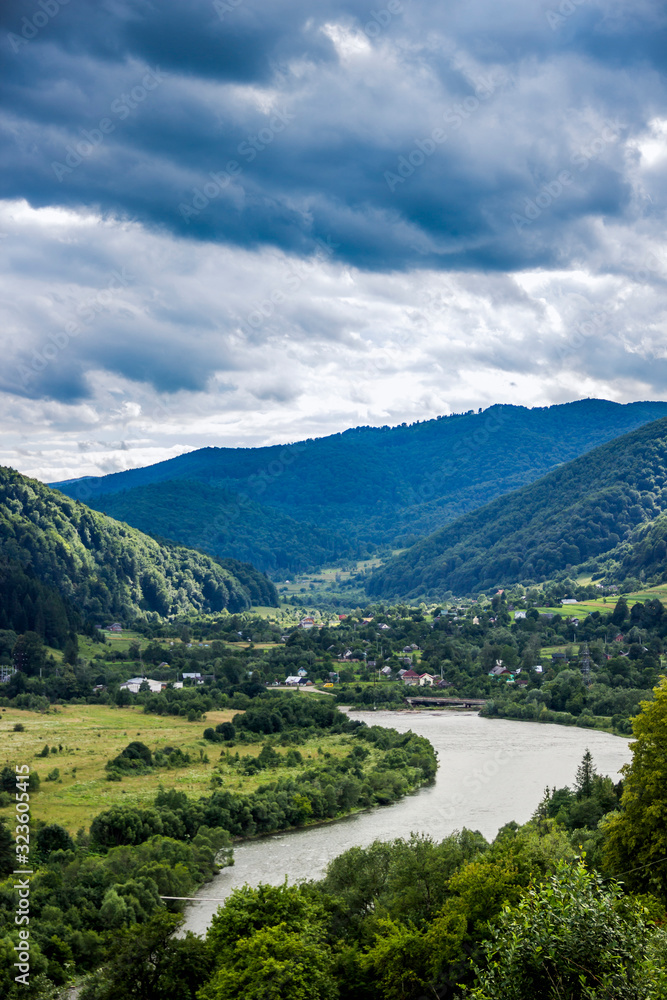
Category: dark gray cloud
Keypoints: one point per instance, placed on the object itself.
(245, 222)
(330, 122)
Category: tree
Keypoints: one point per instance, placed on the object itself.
(585, 776)
(269, 945)
(636, 843)
(150, 964)
(571, 937)
(28, 654)
(53, 838)
(7, 858)
(620, 613)
(275, 964)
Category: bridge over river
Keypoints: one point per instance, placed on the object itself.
(447, 702)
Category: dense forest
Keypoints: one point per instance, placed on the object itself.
(352, 492)
(590, 514)
(88, 891)
(569, 905)
(105, 568)
(225, 525)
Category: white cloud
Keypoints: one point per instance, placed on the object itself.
(197, 348)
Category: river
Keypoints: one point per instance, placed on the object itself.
(490, 772)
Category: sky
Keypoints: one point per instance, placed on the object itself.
(242, 223)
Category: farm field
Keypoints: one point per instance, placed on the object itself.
(606, 605)
(90, 735)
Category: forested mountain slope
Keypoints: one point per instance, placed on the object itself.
(349, 493)
(104, 567)
(194, 513)
(602, 506)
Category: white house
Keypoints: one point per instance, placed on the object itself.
(135, 683)
(293, 680)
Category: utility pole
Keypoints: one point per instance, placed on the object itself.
(586, 665)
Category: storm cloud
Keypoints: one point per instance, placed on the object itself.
(305, 216)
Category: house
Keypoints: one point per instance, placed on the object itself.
(305, 682)
(538, 668)
(475, 620)
(197, 678)
(307, 622)
(134, 685)
(402, 671)
(518, 615)
(443, 684)
(619, 638)
(162, 665)
(386, 671)
(522, 682)
(116, 627)
(498, 670)
(301, 672)
(558, 658)
(569, 600)
(383, 626)
(292, 680)
(410, 677)
(177, 685)
(426, 680)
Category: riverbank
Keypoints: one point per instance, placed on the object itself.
(490, 772)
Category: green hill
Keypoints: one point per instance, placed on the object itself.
(602, 510)
(102, 567)
(225, 525)
(302, 505)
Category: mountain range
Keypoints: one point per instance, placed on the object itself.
(603, 512)
(369, 489)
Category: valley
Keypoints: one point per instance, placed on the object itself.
(171, 705)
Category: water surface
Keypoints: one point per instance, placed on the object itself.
(490, 772)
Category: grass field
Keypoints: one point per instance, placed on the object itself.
(606, 605)
(92, 734)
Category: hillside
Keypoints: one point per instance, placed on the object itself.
(302, 505)
(104, 568)
(224, 525)
(604, 507)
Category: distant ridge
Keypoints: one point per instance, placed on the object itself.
(293, 507)
(605, 511)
